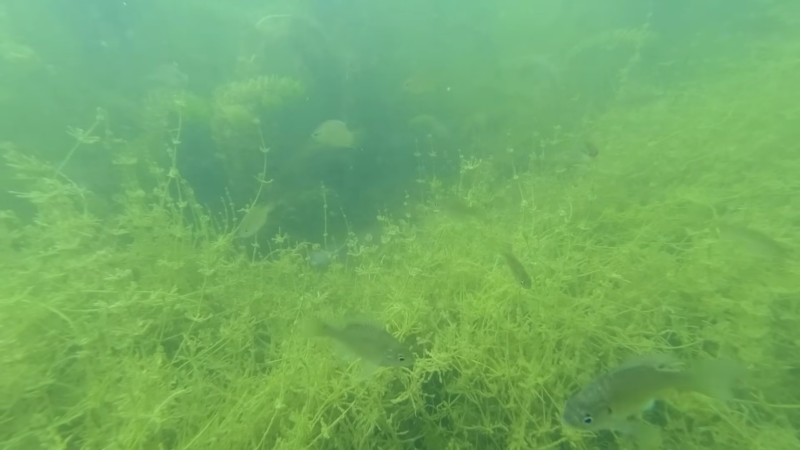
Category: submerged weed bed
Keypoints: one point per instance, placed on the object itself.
(136, 330)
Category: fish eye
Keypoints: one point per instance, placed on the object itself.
(587, 418)
(401, 357)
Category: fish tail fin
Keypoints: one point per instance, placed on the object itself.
(368, 368)
(715, 378)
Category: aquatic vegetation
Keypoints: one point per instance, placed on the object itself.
(138, 321)
(242, 116)
(753, 241)
(259, 92)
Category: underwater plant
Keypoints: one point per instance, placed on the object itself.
(240, 124)
(134, 319)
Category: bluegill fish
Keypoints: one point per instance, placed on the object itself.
(255, 218)
(366, 340)
(614, 400)
(334, 133)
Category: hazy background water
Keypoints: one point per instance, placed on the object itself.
(492, 74)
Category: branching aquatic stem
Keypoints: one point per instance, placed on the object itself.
(262, 180)
(262, 177)
(82, 137)
(172, 151)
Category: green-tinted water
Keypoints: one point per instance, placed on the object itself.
(639, 157)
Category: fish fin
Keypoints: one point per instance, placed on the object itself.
(368, 369)
(367, 321)
(261, 207)
(715, 378)
(660, 361)
(343, 352)
(315, 327)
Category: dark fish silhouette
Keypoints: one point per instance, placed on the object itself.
(517, 269)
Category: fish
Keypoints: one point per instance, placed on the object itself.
(255, 218)
(615, 400)
(753, 241)
(321, 258)
(589, 149)
(334, 133)
(517, 269)
(365, 340)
